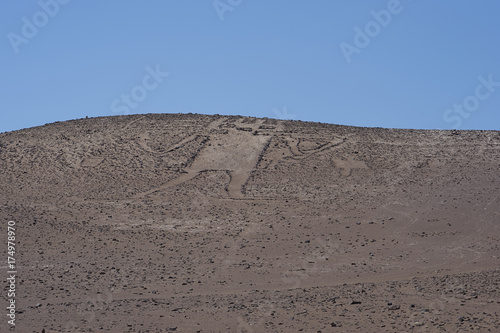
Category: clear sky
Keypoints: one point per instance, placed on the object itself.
(378, 63)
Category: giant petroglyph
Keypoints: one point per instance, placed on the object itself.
(236, 147)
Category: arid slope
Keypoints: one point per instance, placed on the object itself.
(191, 223)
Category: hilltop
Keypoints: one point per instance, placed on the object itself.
(197, 223)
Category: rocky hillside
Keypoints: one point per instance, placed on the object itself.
(197, 223)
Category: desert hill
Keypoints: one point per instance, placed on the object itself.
(197, 223)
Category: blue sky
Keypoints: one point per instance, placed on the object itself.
(389, 63)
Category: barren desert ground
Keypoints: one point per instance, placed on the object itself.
(197, 223)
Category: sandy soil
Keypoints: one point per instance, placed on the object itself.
(191, 223)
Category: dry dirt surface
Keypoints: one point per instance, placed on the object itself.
(197, 223)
